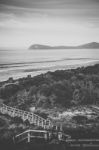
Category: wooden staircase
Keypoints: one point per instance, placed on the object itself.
(25, 115)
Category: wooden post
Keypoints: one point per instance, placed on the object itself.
(12, 114)
(56, 128)
(42, 124)
(59, 136)
(37, 121)
(32, 118)
(29, 137)
(45, 136)
(61, 128)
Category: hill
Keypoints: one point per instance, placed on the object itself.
(92, 45)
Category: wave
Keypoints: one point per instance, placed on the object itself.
(24, 69)
(24, 64)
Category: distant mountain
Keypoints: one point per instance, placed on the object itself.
(93, 45)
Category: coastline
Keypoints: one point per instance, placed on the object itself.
(37, 71)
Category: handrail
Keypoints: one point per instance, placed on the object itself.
(44, 134)
(25, 115)
(27, 131)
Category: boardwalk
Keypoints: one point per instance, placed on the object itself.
(25, 115)
(83, 143)
(48, 136)
(45, 135)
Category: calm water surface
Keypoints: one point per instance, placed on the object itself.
(19, 63)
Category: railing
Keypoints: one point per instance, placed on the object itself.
(83, 142)
(40, 134)
(25, 115)
(36, 120)
(29, 134)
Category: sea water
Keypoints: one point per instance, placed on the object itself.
(20, 63)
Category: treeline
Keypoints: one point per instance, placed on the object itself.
(62, 88)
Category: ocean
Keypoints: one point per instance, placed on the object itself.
(20, 63)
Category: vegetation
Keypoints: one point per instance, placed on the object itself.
(54, 92)
(54, 89)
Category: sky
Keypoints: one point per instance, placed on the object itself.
(50, 22)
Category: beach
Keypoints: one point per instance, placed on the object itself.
(20, 63)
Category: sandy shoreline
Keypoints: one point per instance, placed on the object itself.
(23, 72)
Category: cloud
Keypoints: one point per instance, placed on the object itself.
(84, 11)
(49, 3)
(48, 20)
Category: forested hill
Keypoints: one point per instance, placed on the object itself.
(62, 88)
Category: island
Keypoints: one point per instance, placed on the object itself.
(92, 45)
